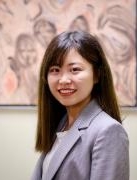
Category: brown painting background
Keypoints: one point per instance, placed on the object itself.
(27, 26)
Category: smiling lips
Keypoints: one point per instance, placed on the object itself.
(66, 92)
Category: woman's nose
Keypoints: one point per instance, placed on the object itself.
(64, 79)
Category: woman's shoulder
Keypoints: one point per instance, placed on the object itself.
(104, 123)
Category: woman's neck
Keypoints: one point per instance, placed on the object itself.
(73, 113)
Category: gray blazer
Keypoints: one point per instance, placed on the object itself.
(95, 148)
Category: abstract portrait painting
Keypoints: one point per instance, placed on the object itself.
(27, 27)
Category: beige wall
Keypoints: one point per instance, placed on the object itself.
(17, 132)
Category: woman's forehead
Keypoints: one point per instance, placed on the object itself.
(70, 58)
(59, 57)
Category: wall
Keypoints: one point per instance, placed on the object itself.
(17, 133)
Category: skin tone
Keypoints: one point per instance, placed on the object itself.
(72, 83)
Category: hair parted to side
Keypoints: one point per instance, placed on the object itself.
(50, 111)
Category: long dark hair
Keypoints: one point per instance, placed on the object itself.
(50, 111)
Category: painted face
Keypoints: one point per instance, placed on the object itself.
(72, 83)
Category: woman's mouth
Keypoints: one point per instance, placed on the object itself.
(66, 92)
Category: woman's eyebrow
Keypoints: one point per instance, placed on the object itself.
(55, 64)
(74, 63)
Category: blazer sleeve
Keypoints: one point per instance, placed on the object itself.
(110, 154)
(37, 173)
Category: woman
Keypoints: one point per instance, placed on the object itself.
(79, 128)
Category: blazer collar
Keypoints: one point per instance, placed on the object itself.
(85, 117)
(88, 114)
(82, 122)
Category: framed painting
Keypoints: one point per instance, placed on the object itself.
(26, 28)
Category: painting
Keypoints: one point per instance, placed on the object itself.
(27, 27)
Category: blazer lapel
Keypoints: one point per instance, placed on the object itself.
(71, 138)
(65, 146)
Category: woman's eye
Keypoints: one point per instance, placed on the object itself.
(75, 69)
(54, 70)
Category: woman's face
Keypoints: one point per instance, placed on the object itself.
(72, 83)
